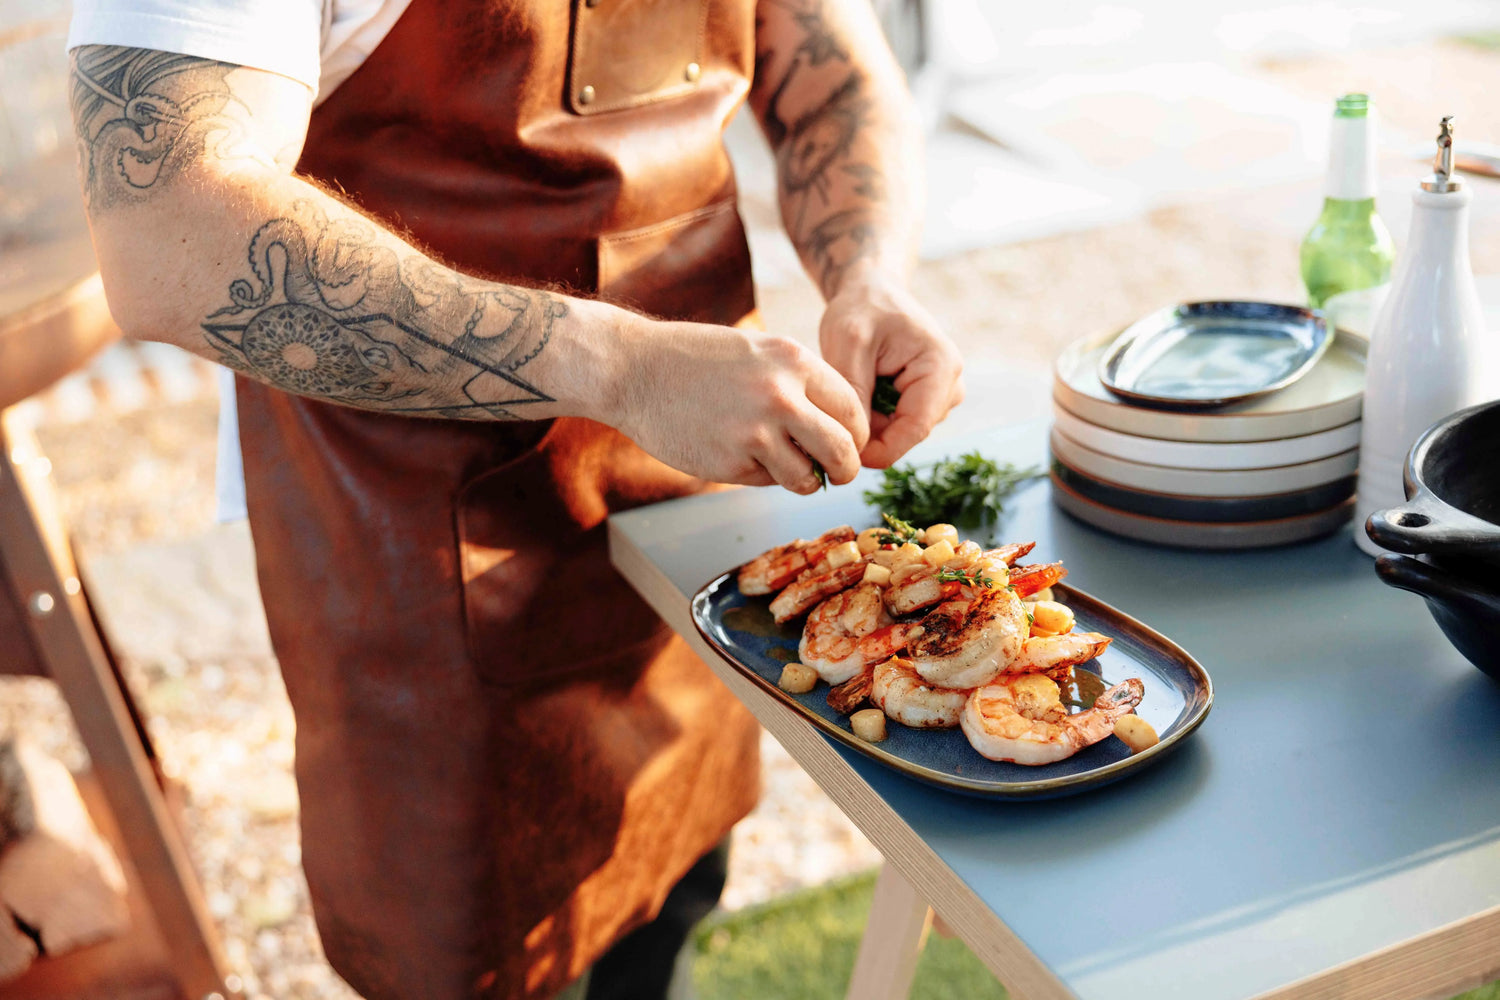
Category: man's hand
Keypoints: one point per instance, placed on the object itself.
(738, 407)
(875, 327)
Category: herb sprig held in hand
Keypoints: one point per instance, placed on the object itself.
(967, 490)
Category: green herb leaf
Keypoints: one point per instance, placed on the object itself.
(968, 490)
(822, 476)
(900, 533)
(973, 579)
(886, 395)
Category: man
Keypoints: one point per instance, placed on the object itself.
(375, 212)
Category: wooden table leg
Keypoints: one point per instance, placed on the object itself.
(894, 936)
(40, 563)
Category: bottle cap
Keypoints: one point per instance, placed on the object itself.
(1442, 179)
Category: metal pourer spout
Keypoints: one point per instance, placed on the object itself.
(1442, 179)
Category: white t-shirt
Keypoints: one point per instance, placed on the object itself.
(318, 43)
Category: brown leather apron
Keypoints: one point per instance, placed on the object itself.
(505, 758)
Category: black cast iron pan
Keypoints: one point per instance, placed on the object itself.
(1452, 512)
(1467, 612)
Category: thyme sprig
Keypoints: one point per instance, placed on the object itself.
(967, 490)
(886, 395)
(972, 578)
(900, 531)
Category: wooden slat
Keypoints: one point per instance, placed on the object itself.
(41, 567)
(1453, 958)
(894, 935)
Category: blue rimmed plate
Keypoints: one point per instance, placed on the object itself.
(1177, 699)
(1210, 354)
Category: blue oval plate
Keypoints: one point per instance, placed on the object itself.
(1208, 354)
(1177, 699)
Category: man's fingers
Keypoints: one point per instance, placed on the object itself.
(828, 443)
(789, 465)
(850, 348)
(923, 403)
(836, 396)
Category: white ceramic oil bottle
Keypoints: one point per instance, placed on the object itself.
(1429, 352)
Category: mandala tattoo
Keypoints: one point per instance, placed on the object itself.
(815, 150)
(142, 115)
(330, 311)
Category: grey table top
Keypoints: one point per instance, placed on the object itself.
(1343, 796)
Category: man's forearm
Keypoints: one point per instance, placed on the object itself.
(836, 111)
(208, 244)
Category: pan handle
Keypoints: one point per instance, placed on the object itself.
(1426, 524)
(1426, 580)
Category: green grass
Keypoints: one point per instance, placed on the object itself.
(1481, 40)
(802, 947)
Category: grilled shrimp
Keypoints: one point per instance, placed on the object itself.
(1046, 653)
(772, 570)
(921, 586)
(830, 639)
(810, 589)
(961, 643)
(1028, 580)
(904, 696)
(1007, 721)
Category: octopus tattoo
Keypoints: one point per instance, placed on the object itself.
(331, 312)
(141, 115)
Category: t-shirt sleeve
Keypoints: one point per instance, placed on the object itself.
(280, 36)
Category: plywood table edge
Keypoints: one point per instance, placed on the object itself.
(1440, 963)
(1015, 965)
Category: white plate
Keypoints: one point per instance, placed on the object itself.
(1193, 455)
(1199, 535)
(1201, 483)
(1327, 397)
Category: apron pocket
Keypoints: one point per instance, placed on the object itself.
(541, 600)
(695, 266)
(627, 53)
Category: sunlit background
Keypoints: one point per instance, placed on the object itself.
(1086, 163)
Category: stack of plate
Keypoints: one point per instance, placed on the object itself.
(1276, 469)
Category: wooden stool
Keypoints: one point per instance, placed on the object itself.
(48, 628)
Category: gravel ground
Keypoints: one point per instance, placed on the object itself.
(137, 489)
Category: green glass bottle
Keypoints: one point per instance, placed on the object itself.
(1348, 248)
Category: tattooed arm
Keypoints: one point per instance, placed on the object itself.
(835, 108)
(206, 239)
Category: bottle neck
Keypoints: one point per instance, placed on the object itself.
(1338, 211)
(1351, 160)
(1439, 230)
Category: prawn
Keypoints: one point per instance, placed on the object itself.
(810, 589)
(961, 643)
(1053, 652)
(922, 586)
(1008, 721)
(1028, 580)
(904, 696)
(775, 568)
(830, 639)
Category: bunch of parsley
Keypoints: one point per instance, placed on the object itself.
(968, 490)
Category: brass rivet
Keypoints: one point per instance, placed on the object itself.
(692, 72)
(586, 95)
(41, 604)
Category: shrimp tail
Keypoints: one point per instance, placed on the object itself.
(1028, 580)
(846, 697)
